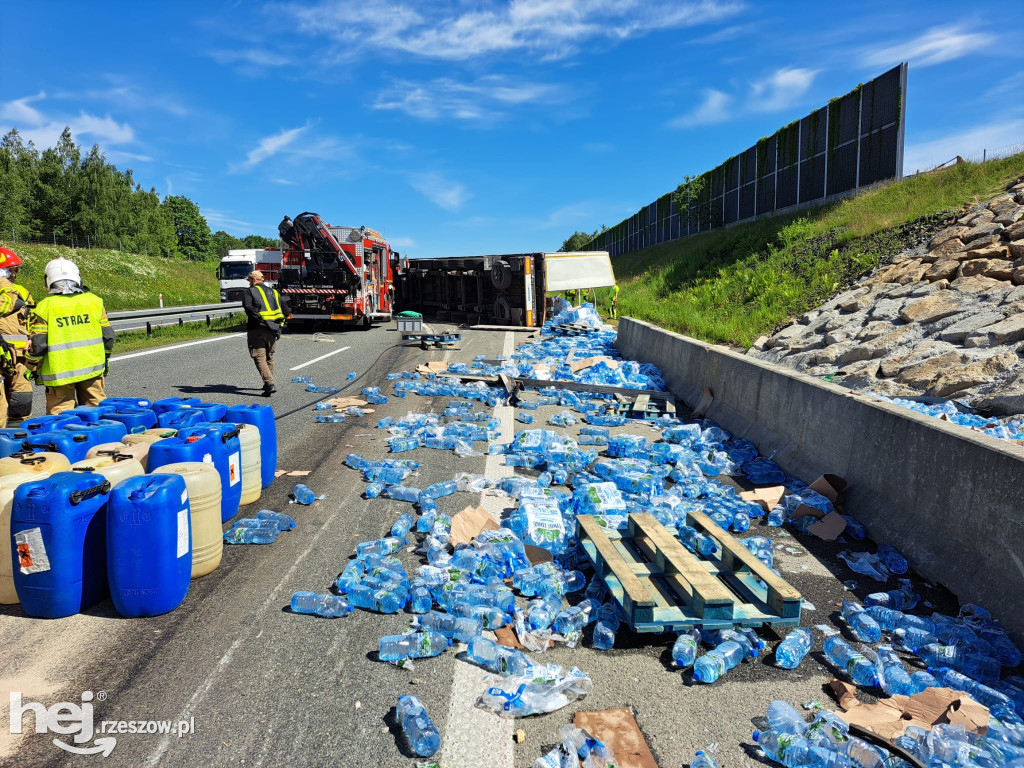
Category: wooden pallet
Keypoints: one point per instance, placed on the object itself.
(663, 587)
(572, 329)
(643, 407)
(433, 339)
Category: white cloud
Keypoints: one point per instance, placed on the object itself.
(287, 182)
(966, 143)
(401, 242)
(256, 57)
(781, 90)
(553, 29)
(442, 192)
(269, 146)
(713, 109)
(220, 219)
(445, 98)
(19, 111)
(119, 156)
(937, 45)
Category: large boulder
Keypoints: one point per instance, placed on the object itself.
(961, 329)
(982, 230)
(923, 375)
(1004, 332)
(973, 374)
(932, 308)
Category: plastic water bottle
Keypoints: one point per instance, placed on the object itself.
(255, 523)
(922, 680)
(437, 490)
(607, 626)
(890, 620)
(998, 703)
(783, 717)
(860, 670)
(976, 665)
(541, 613)
(703, 760)
(329, 606)
(892, 559)
(684, 649)
(497, 658)
(897, 599)
(302, 379)
(719, 660)
(385, 546)
(284, 522)
(860, 622)
(351, 376)
(250, 536)
(697, 542)
(892, 676)
(380, 600)
(303, 495)
(402, 444)
(576, 617)
(912, 638)
(416, 645)
(777, 516)
(373, 490)
(461, 628)
(402, 526)
(776, 744)
(423, 736)
(420, 599)
(403, 493)
(793, 648)
(855, 528)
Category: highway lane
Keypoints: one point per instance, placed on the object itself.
(266, 687)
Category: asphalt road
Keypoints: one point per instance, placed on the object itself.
(267, 687)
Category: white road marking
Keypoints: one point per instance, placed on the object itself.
(474, 737)
(174, 346)
(318, 359)
(255, 621)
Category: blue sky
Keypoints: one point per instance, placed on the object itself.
(461, 128)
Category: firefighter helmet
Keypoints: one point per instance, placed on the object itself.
(61, 272)
(9, 258)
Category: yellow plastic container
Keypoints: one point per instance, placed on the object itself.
(252, 464)
(115, 468)
(42, 463)
(150, 436)
(203, 484)
(8, 485)
(136, 450)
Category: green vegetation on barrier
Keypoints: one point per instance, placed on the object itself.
(133, 341)
(735, 284)
(124, 280)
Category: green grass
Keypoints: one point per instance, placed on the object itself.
(133, 341)
(733, 285)
(124, 280)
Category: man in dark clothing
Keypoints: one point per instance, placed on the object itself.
(266, 312)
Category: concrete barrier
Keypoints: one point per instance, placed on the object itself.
(950, 499)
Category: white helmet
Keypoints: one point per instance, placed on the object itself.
(62, 276)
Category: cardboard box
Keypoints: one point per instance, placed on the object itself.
(468, 523)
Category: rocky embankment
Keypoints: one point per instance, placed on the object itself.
(945, 320)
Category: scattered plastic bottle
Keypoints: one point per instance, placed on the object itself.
(302, 379)
(576, 617)
(719, 660)
(607, 626)
(351, 376)
(328, 606)
(703, 760)
(439, 490)
(256, 524)
(855, 664)
(419, 728)
(404, 493)
(380, 600)
(783, 717)
(922, 680)
(897, 600)
(697, 542)
(415, 645)
(461, 628)
(303, 495)
(322, 406)
(998, 703)
(250, 536)
(793, 648)
(402, 444)
(864, 627)
(284, 522)
(402, 526)
(892, 559)
(684, 649)
(497, 658)
(321, 390)
(975, 665)
(386, 546)
(912, 638)
(420, 598)
(775, 745)
(890, 620)
(777, 516)
(891, 673)
(373, 490)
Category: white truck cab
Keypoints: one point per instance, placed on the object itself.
(236, 266)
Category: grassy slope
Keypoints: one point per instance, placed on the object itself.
(124, 280)
(735, 284)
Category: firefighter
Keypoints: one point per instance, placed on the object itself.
(15, 303)
(265, 312)
(69, 340)
(615, 300)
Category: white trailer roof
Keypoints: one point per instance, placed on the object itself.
(578, 270)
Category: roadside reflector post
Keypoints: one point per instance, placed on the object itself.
(149, 329)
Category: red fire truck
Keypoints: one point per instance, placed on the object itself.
(344, 274)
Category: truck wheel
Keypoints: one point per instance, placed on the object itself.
(501, 275)
(502, 309)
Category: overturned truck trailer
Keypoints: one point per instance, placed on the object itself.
(507, 289)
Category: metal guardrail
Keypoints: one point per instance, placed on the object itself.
(198, 309)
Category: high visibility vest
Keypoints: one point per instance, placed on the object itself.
(270, 304)
(12, 327)
(74, 338)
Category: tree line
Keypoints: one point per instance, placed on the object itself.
(61, 192)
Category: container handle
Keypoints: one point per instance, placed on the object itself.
(115, 454)
(30, 458)
(225, 436)
(79, 496)
(51, 447)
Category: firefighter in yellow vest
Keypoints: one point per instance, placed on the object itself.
(266, 313)
(15, 303)
(70, 340)
(615, 301)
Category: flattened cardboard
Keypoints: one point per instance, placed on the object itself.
(617, 728)
(345, 402)
(829, 527)
(589, 362)
(767, 497)
(829, 486)
(470, 522)
(538, 555)
(891, 717)
(705, 403)
(506, 636)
